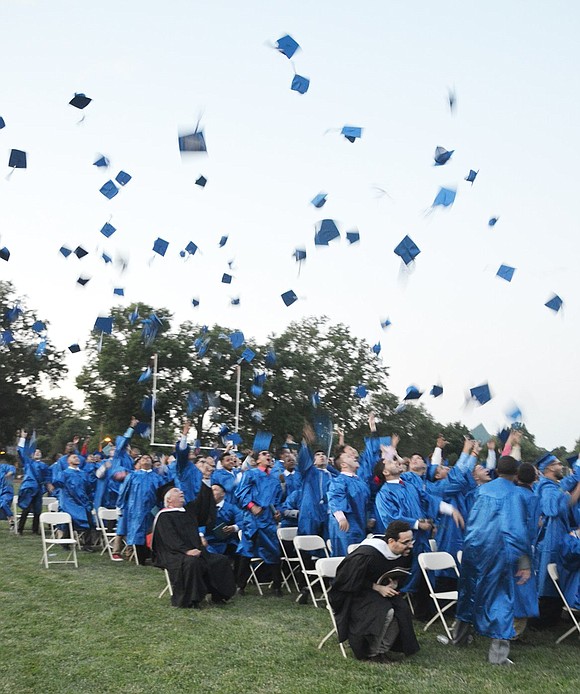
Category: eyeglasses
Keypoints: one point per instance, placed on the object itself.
(406, 542)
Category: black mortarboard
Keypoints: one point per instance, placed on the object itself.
(287, 46)
(80, 101)
(4, 253)
(80, 252)
(555, 303)
(17, 159)
(289, 297)
(122, 178)
(326, 231)
(193, 142)
(436, 391)
(201, 181)
(481, 393)
(108, 230)
(407, 250)
(83, 280)
(109, 190)
(74, 348)
(412, 393)
(442, 156)
(300, 84)
(102, 161)
(226, 279)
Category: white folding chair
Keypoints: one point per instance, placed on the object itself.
(437, 561)
(574, 613)
(168, 587)
(52, 519)
(433, 545)
(255, 564)
(53, 506)
(105, 515)
(293, 563)
(48, 501)
(326, 569)
(352, 547)
(15, 513)
(310, 543)
(459, 555)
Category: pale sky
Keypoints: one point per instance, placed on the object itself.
(385, 65)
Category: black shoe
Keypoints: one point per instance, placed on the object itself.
(392, 656)
(87, 548)
(303, 596)
(277, 592)
(241, 592)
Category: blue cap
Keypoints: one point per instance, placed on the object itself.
(492, 221)
(4, 254)
(555, 303)
(287, 46)
(119, 291)
(445, 197)
(385, 323)
(351, 133)
(108, 230)
(237, 339)
(223, 241)
(17, 159)
(543, 462)
(412, 393)
(289, 297)
(101, 162)
(248, 354)
(195, 303)
(262, 441)
(192, 142)
(299, 254)
(442, 156)
(270, 358)
(160, 246)
(109, 190)
(80, 252)
(481, 393)
(376, 348)
(572, 460)
(106, 258)
(506, 272)
(74, 348)
(300, 84)
(65, 251)
(226, 279)
(201, 181)
(122, 178)
(407, 250)
(471, 176)
(361, 391)
(326, 231)
(104, 324)
(6, 337)
(319, 200)
(235, 301)
(80, 101)
(191, 248)
(38, 326)
(2, 123)
(352, 237)
(146, 375)
(436, 391)
(83, 280)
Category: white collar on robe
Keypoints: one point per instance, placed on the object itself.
(381, 546)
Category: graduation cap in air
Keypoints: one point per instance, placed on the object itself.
(300, 84)
(234, 437)
(319, 200)
(471, 176)
(65, 251)
(451, 100)
(122, 178)
(514, 413)
(192, 142)
(195, 303)
(80, 101)
(2, 123)
(190, 249)
(6, 337)
(40, 349)
(235, 301)
(351, 133)
(506, 272)
(315, 399)
(109, 190)
(287, 46)
(201, 181)
(17, 159)
(492, 221)
(262, 441)
(481, 393)
(445, 197)
(101, 162)
(361, 391)
(412, 393)
(83, 280)
(248, 354)
(223, 241)
(442, 156)
(352, 237)
(436, 391)
(160, 246)
(289, 297)
(4, 254)
(326, 231)
(481, 434)
(385, 323)
(237, 339)
(299, 254)
(555, 303)
(108, 230)
(226, 279)
(38, 326)
(270, 358)
(407, 250)
(80, 252)
(119, 291)
(106, 258)
(194, 401)
(74, 348)
(104, 324)
(376, 348)
(146, 375)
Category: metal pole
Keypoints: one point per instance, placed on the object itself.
(238, 380)
(154, 396)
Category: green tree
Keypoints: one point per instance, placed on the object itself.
(23, 371)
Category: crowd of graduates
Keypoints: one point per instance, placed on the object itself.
(341, 499)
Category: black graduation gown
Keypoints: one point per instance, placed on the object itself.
(360, 611)
(192, 578)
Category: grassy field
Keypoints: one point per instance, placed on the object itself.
(101, 628)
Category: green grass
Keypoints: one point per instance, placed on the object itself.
(101, 628)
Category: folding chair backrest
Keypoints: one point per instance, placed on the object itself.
(459, 555)
(48, 500)
(55, 518)
(435, 561)
(107, 514)
(53, 506)
(287, 534)
(433, 545)
(327, 568)
(351, 548)
(309, 543)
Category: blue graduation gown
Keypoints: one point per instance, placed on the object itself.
(349, 495)
(229, 514)
(313, 516)
(36, 475)
(74, 496)
(185, 474)
(526, 595)
(569, 570)
(555, 524)
(291, 503)
(137, 499)
(228, 481)
(6, 490)
(259, 538)
(497, 536)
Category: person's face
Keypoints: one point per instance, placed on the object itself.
(441, 472)
(392, 468)
(403, 545)
(177, 499)
(417, 465)
(481, 474)
(228, 462)
(218, 493)
(349, 458)
(69, 448)
(37, 454)
(289, 462)
(264, 459)
(74, 460)
(557, 469)
(146, 462)
(320, 459)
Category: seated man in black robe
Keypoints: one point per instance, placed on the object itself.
(177, 547)
(369, 610)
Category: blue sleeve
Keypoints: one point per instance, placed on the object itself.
(369, 457)
(305, 460)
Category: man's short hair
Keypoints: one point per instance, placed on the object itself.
(225, 454)
(221, 486)
(526, 473)
(395, 528)
(169, 494)
(507, 465)
(339, 450)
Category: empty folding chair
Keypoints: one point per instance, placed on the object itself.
(292, 563)
(255, 565)
(53, 506)
(108, 516)
(437, 561)
(326, 569)
(310, 543)
(574, 614)
(51, 520)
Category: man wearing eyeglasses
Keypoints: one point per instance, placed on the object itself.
(370, 611)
